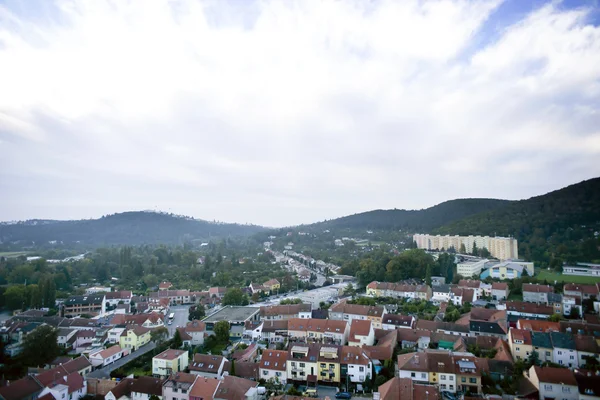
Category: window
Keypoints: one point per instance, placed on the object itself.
(423, 375)
(451, 377)
(412, 374)
(265, 372)
(277, 373)
(559, 353)
(443, 387)
(443, 377)
(518, 349)
(472, 380)
(267, 363)
(323, 365)
(463, 379)
(566, 389)
(302, 365)
(572, 357)
(293, 364)
(183, 391)
(451, 387)
(547, 354)
(548, 387)
(361, 369)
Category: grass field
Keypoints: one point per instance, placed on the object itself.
(552, 276)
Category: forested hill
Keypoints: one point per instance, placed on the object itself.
(563, 225)
(128, 228)
(414, 220)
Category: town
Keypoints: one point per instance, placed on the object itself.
(478, 336)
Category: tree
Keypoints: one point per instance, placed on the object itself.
(159, 334)
(463, 249)
(35, 296)
(555, 318)
(349, 290)
(40, 346)
(196, 312)
(221, 330)
(15, 297)
(177, 342)
(475, 251)
(232, 369)
(235, 297)
(575, 313)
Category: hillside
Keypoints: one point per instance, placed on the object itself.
(131, 228)
(414, 220)
(559, 225)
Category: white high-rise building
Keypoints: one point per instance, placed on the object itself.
(503, 248)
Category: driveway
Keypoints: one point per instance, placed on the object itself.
(180, 319)
(105, 372)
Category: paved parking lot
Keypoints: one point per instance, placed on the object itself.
(181, 318)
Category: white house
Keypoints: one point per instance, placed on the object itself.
(273, 366)
(67, 387)
(554, 383)
(102, 358)
(564, 351)
(358, 364)
(361, 333)
(115, 333)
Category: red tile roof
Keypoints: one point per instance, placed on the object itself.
(274, 360)
(359, 327)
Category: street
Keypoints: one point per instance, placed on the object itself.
(105, 372)
(181, 318)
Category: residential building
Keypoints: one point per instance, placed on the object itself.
(587, 347)
(459, 296)
(520, 343)
(176, 297)
(209, 366)
(301, 366)
(443, 327)
(288, 311)
(144, 387)
(165, 285)
(150, 320)
(441, 293)
(361, 333)
(98, 289)
(203, 389)
(553, 383)
(500, 291)
(134, 337)
(502, 248)
(538, 326)
(588, 383)
(542, 344)
(178, 385)
(563, 349)
(274, 331)
(347, 312)
(104, 357)
(94, 304)
(397, 321)
(234, 388)
(71, 387)
(321, 330)
(480, 288)
(196, 330)
(113, 299)
(64, 337)
(522, 310)
(329, 364)
(169, 362)
(114, 333)
(399, 290)
(534, 293)
(272, 285)
(582, 291)
(405, 389)
(488, 322)
(217, 292)
(355, 364)
(273, 366)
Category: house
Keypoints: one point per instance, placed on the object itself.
(399, 290)
(93, 305)
(564, 351)
(553, 383)
(178, 385)
(534, 293)
(459, 296)
(542, 345)
(217, 292)
(151, 320)
(210, 366)
(397, 321)
(64, 337)
(301, 366)
(114, 333)
(234, 388)
(347, 312)
(355, 364)
(322, 330)
(272, 285)
(104, 357)
(329, 368)
(520, 343)
(169, 362)
(582, 291)
(538, 326)
(122, 391)
(405, 389)
(273, 366)
(361, 333)
(516, 310)
(71, 387)
(488, 322)
(480, 288)
(134, 337)
(587, 347)
(247, 370)
(176, 297)
(588, 384)
(26, 388)
(113, 299)
(165, 285)
(256, 288)
(275, 312)
(98, 289)
(144, 387)
(500, 291)
(443, 327)
(250, 353)
(203, 389)
(274, 331)
(236, 316)
(83, 340)
(196, 330)
(441, 293)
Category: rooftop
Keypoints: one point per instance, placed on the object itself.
(232, 314)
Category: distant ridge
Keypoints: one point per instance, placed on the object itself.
(128, 228)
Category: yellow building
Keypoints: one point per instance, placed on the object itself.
(169, 361)
(302, 363)
(329, 364)
(520, 343)
(273, 285)
(134, 337)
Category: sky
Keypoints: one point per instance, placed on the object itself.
(286, 112)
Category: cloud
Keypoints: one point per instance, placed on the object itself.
(289, 112)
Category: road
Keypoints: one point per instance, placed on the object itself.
(105, 372)
(181, 318)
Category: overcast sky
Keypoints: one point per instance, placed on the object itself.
(287, 112)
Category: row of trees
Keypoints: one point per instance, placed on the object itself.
(38, 295)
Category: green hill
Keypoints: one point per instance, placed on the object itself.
(563, 225)
(128, 228)
(414, 220)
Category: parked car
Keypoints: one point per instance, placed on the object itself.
(343, 395)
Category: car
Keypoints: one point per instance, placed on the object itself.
(343, 395)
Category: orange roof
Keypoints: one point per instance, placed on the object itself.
(359, 327)
(170, 354)
(274, 359)
(204, 388)
(538, 326)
